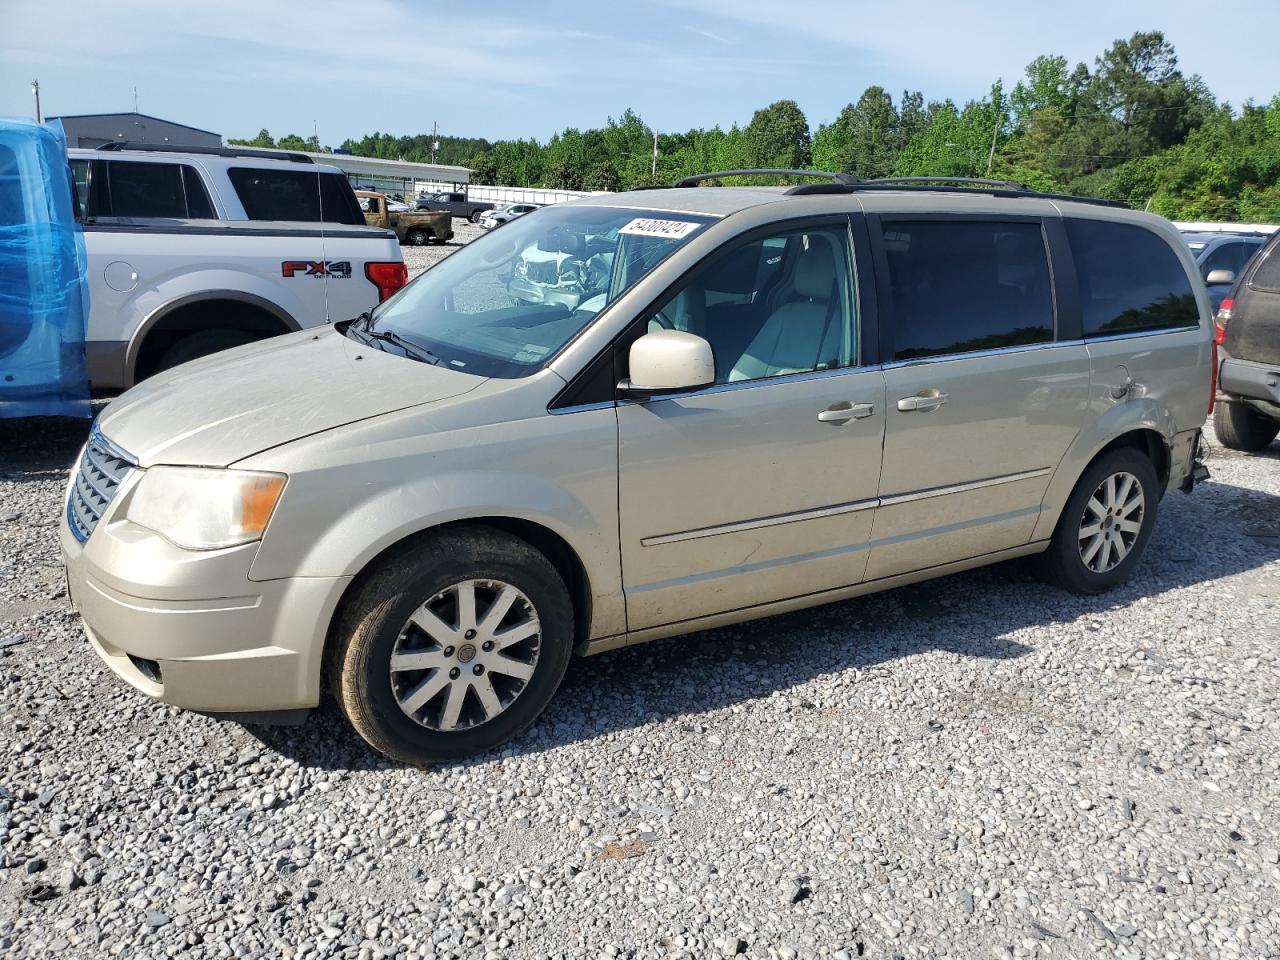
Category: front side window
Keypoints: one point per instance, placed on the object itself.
(297, 195)
(771, 306)
(1130, 279)
(505, 304)
(958, 286)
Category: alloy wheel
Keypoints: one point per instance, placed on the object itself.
(465, 655)
(1112, 522)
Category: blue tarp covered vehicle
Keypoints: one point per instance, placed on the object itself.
(44, 299)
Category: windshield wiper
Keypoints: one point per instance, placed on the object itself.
(363, 326)
(415, 350)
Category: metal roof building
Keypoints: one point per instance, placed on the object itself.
(95, 129)
(371, 170)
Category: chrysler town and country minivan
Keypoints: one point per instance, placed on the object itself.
(726, 403)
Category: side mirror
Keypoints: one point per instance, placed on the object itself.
(668, 361)
(1216, 277)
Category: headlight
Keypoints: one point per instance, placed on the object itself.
(204, 509)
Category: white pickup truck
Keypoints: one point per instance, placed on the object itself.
(196, 251)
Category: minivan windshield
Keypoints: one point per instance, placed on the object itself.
(508, 302)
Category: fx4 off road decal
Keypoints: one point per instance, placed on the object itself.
(316, 268)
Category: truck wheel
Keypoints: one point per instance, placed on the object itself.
(1105, 526)
(419, 238)
(1240, 427)
(202, 343)
(452, 648)
(475, 217)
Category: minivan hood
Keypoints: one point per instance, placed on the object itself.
(223, 408)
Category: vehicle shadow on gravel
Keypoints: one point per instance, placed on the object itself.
(988, 614)
(35, 447)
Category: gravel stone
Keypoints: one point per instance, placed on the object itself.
(916, 759)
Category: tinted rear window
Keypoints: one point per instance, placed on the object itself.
(958, 286)
(1130, 279)
(295, 195)
(157, 190)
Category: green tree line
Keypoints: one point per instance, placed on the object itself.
(1130, 127)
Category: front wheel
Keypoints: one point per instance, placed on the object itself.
(1241, 427)
(1105, 526)
(454, 647)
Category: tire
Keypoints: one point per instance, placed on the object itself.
(1064, 563)
(1240, 427)
(419, 238)
(383, 619)
(202, 343)
(476, 215)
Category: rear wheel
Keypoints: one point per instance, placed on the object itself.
(475, 217)
(419, 238)
(193, 346)
(1241, 427)
(1105, 526)
(453, 648)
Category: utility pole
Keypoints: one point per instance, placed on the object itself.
(435, 140)
(135, 99)
(991, 157)
(35, 88)
(653, 170)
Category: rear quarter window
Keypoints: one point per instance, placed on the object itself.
(1130, 279)
(297, 195)
(1266, 275)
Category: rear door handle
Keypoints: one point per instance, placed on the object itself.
(923, 402)
(844, 411)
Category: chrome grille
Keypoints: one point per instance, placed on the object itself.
(103, 468)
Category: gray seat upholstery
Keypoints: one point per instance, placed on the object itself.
(802, 333)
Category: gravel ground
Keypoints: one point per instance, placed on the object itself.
(975, 767)
(418, 259)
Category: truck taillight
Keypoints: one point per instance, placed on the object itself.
(387, 277)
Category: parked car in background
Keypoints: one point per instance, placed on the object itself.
(198, 250)
(435, 505)
(506, 212)
(1221, 257)
(455, 204)
(417, 228)
(1248, 334)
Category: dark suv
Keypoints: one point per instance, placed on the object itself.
(1248, 414)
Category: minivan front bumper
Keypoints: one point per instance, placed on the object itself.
(192, 629)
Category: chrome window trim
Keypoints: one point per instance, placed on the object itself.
(994, 352)
(758, 382)
(1144, 333)
(581, 407)
(774, 521)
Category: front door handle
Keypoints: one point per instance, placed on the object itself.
(923, 402)
(844, 411)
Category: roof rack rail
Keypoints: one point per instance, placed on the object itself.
(286, 155)
(840, 178)
(973, 186)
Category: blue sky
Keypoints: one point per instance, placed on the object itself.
(503, 69)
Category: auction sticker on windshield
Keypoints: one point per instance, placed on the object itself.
(666, 229)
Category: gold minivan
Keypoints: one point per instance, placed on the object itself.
(631, 417)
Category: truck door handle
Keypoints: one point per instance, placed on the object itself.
(844, 411)
(923, 402)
